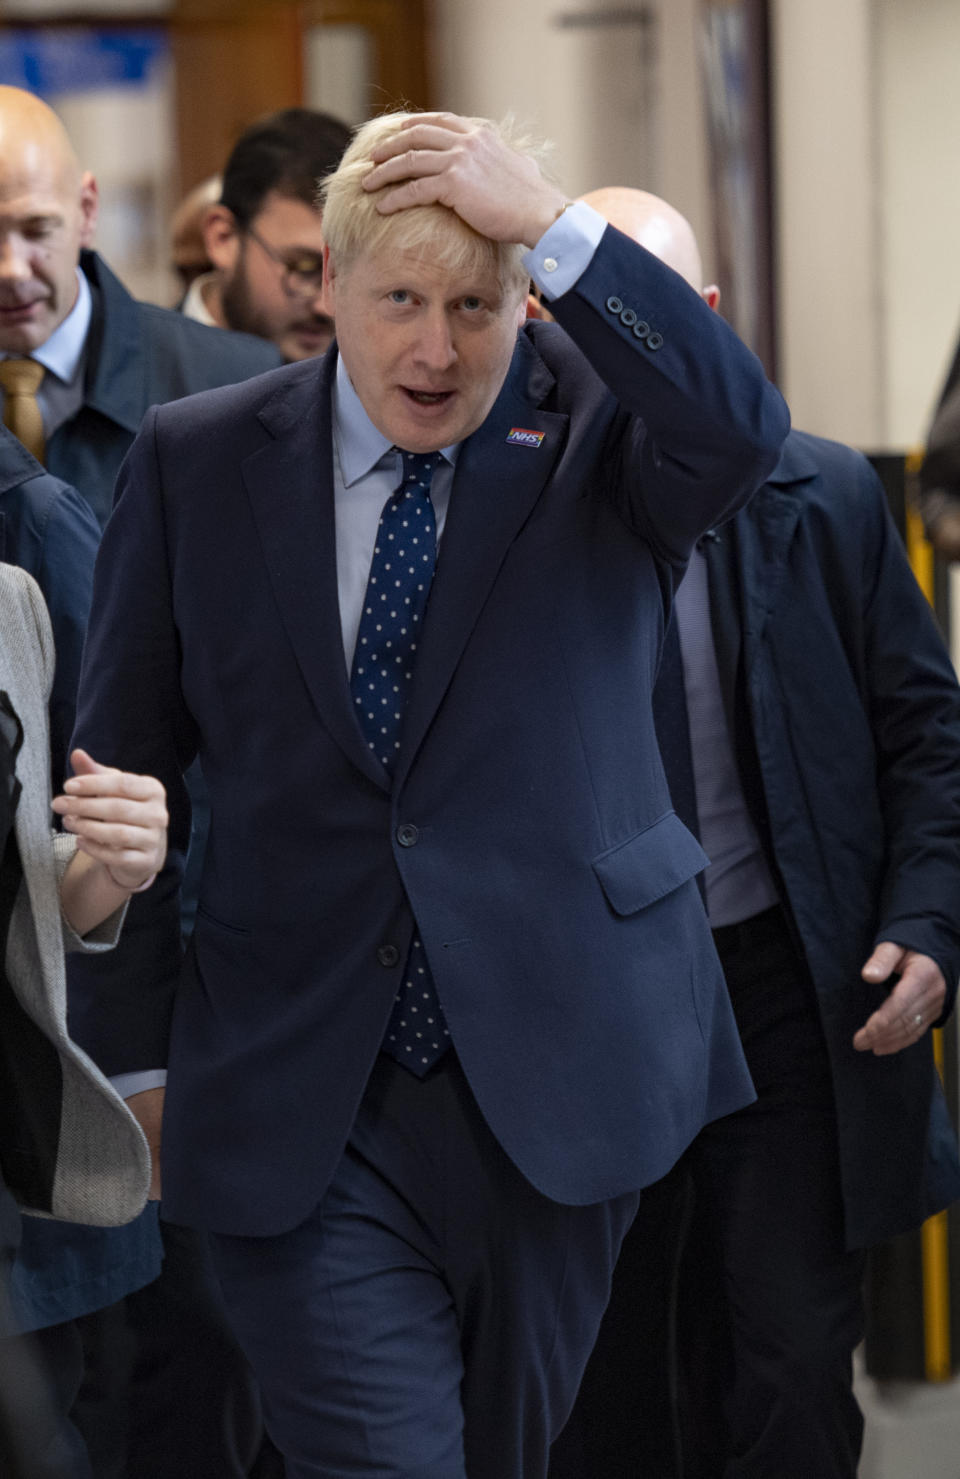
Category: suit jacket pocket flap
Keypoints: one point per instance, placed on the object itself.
(650, 864)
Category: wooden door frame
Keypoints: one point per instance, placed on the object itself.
(264, 40)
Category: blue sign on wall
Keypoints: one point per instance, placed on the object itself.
(78, 58)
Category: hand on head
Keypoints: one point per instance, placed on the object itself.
(465, 164)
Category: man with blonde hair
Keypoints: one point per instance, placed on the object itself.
(450, 1000)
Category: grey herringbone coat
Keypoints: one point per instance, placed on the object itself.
(69, 1147)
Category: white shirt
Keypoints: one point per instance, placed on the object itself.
(194, 304)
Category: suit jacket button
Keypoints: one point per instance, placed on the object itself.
(628, 318)
(388, 955)
(641, 329)
(654, 340)
(407, 834)
(614, 305)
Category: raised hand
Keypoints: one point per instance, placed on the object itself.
(462, 163)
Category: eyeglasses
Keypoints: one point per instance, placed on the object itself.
(302, 274)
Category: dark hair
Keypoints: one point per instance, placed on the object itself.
(288, 152)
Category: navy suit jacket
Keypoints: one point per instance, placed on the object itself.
(855, 715)
(551, 882)
(48, 530)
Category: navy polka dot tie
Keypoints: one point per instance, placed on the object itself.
(398, 586)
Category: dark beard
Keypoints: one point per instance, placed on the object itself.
(239, 309)
(238, 306)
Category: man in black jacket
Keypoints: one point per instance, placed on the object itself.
(810, 729)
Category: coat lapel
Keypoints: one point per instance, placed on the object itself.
(725, 613)
(115, 369)
(496, 485)
(289, 483)
(764, 532)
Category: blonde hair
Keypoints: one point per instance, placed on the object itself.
(352, 225)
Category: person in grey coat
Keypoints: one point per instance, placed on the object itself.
(69, 1148)
(62, 890)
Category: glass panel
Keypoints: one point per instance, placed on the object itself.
(113, 90)
(338, 72)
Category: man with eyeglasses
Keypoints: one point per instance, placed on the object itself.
(264, 237)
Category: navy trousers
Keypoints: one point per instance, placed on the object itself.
(433, 1317)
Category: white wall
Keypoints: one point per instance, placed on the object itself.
(825, 170)
(621, 104)
(866, 168)
(867, 131)
(125, 135)
(918, 90)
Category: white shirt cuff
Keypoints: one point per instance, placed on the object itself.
(566, 250)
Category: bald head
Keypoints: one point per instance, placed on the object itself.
(48, 211)
(33, 140)
(655, 225)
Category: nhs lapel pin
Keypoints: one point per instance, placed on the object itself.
(520, 437)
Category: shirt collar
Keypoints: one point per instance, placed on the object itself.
(359, 444)
(194, 303)
(62, 353)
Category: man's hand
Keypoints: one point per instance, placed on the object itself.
(147, 1108)
(914, 1003)
(442, 159)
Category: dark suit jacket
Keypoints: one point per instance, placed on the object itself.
(47, 529)
(855, 716)
(138, 355)
(551, 882)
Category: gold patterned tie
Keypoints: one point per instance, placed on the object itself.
(21, 379)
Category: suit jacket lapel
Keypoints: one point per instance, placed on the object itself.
(289, 482)
(495, 488)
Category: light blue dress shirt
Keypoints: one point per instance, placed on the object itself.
(367, 469)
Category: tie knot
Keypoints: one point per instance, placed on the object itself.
(20, 376)
(418, 469)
